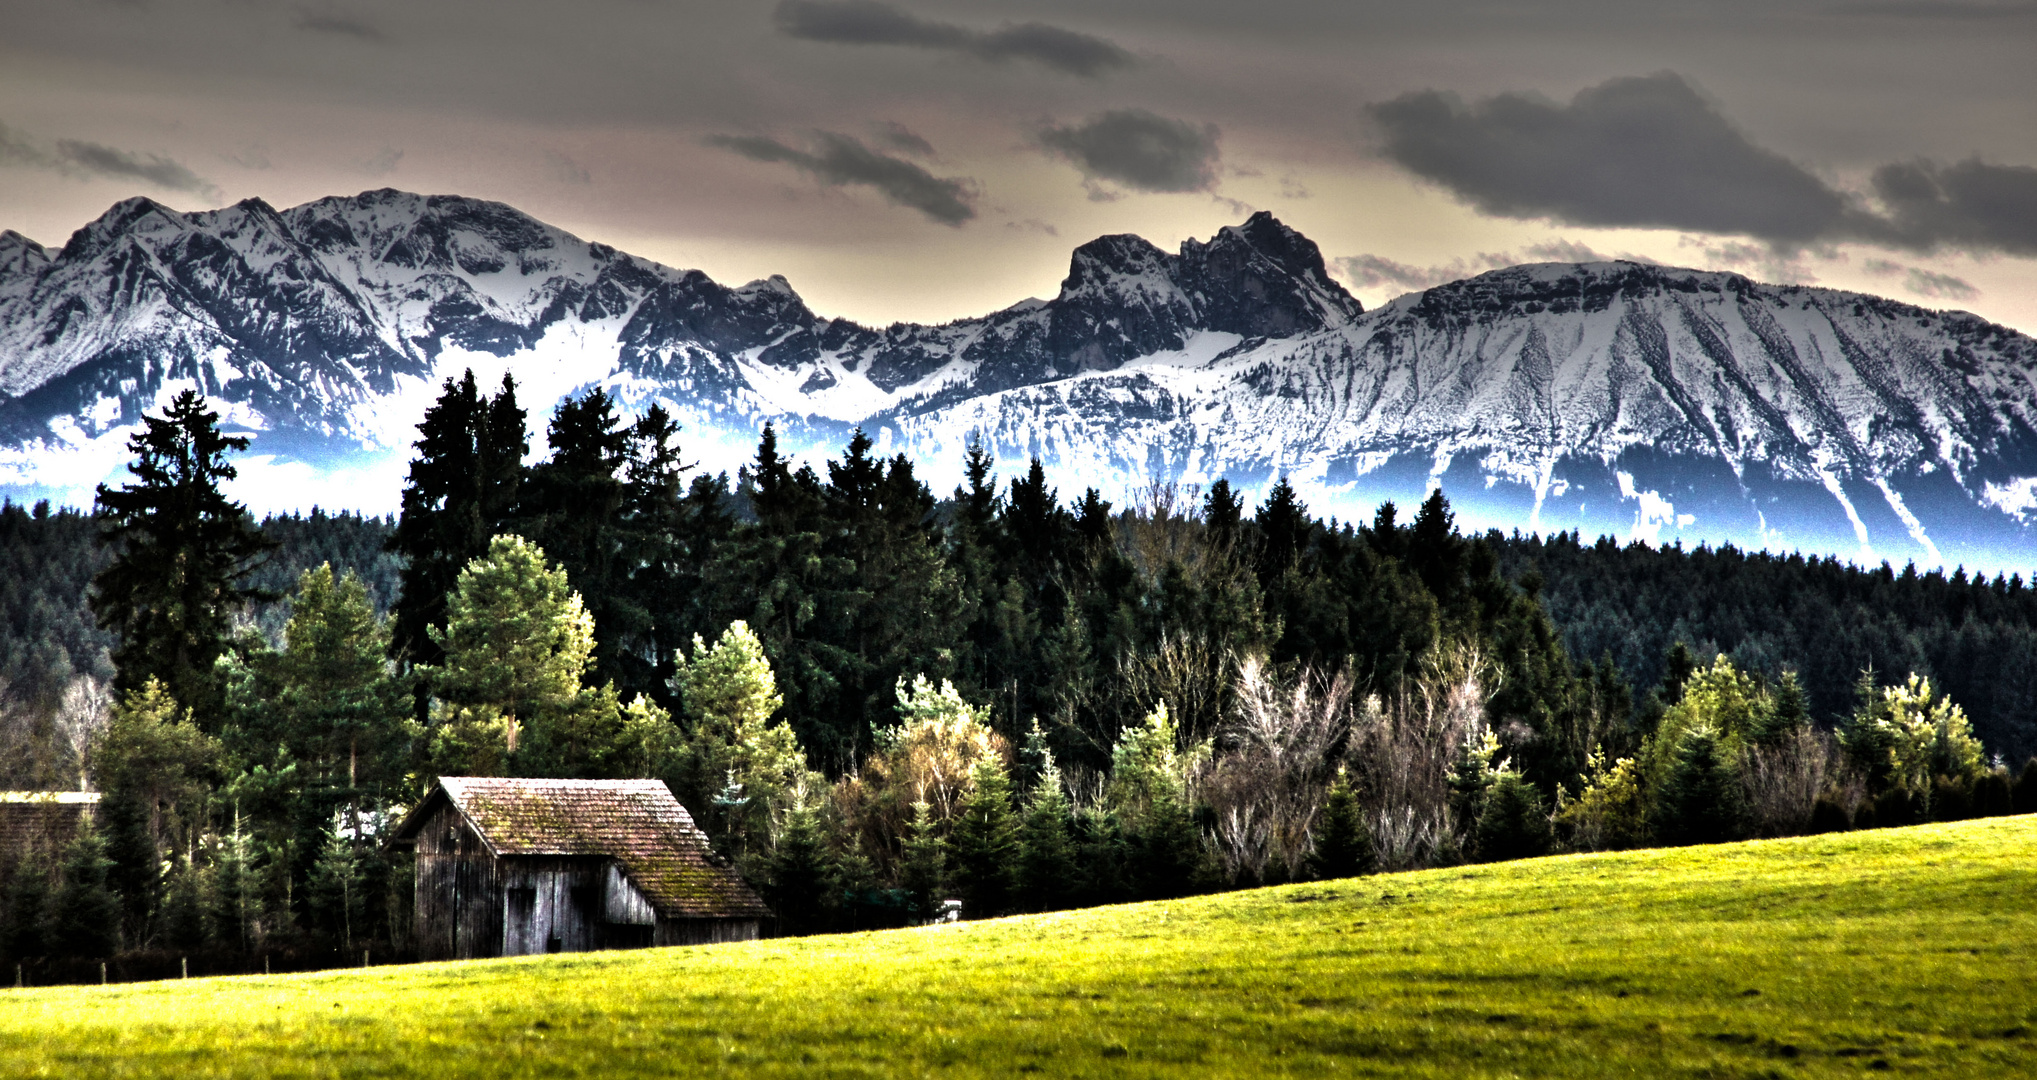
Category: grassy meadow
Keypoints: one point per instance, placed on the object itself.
(1911, 951)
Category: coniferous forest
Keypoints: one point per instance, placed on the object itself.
(875, 697)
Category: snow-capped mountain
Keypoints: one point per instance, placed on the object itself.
(1611, 397)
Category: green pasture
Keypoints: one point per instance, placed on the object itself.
(1909, 951)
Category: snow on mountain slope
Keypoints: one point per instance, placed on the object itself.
(1615, 398)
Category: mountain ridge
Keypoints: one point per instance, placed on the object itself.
(1650, 402)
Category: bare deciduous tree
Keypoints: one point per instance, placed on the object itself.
(1274, 768)
(1401, 754)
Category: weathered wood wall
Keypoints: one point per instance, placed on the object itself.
(551, 903)
(459, 902)
(704, 931)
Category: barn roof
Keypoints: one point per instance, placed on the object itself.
(635, 822)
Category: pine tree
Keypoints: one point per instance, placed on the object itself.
(985, 843)
(730, 694)
(923, 871)
(184, 551)
(84, 915)
(1343, 845)
(342, 711)
(154, 769)
(517, 643)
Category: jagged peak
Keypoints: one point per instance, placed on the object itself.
(117, 221)
(13, 245)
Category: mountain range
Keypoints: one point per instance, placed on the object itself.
(1616, 397)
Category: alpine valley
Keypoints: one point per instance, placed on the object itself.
(1613, 397)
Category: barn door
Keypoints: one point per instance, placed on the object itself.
(520, 922)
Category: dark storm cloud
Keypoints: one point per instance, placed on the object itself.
(1642, 152)
(1650, 152)
(866, 22)
(1968, 205)
(1138, 149)
(837, 160)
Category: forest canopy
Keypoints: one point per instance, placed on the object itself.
(875, 698)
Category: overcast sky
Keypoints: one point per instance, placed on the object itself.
(930, 161)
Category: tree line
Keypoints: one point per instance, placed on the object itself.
(874, 699)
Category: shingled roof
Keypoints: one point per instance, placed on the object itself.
(635, 822)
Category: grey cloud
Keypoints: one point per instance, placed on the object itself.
(839, 160)
(1644, 152)
(565, 169)
(1924, 282)
(1938, 9)
(1939, 286)
(384, 163)
(326, 22)
(866, 22)
(1650, 152)
(903, 139)
(1561, 250)
(1967, 205)
(114, 164)
(1377, 271)
(76, 157)
(1138, 149)
(17, 150)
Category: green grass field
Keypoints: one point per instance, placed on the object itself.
(1908, 950)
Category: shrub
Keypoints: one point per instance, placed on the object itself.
(1828, 816)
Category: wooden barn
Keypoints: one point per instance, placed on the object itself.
(40, 824)
(512, 866)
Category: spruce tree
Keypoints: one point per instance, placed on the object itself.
(985, 843)
(181, 924)
(338, 893)
(28, 893)
(1515, 822)
(183, 554)
(1047, 871)
(1343, 845)
(1701, 801)
(461, 492)
(923, 869)
(84, 915)
(799, 872)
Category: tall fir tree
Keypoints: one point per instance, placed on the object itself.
(461, 492)
(183, 554)
(84, 915)
(985, 843)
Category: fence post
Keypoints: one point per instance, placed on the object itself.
(364, 958)
(102, 973)
(265, 963)
(184, 963)
(17, 977)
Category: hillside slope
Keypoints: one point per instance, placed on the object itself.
(1902, 949)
